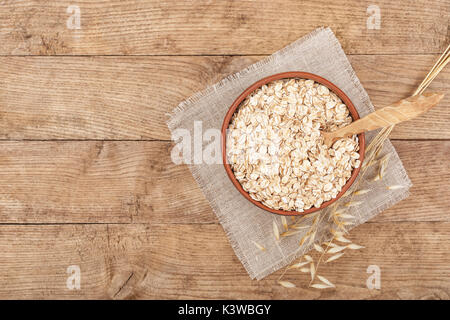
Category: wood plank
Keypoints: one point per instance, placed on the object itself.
(217, 27)
(427, 165)
(69, 181)
(88, 181)
(390, 78)
(129, 97)
(428, 200)
(167, 262)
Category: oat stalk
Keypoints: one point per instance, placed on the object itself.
(372, 151)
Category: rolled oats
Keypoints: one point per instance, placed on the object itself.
(275, 149)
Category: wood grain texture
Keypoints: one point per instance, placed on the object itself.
(130, 181)
(138, 225)
(164, 262)
(135, 27)
(118, 98)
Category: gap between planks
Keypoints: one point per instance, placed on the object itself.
(262, 55)
(166, 140)
(159, 224)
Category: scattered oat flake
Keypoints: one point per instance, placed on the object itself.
(260, 247)
(287, 284)
(354, 246)
(275, 231)
(335, 257)
(308, 258)
(326, 281)
(395, 187)
(305, 270)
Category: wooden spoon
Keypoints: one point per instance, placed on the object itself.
(402, 110)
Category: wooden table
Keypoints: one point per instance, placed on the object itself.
(86, 177)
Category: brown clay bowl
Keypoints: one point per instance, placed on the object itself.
(294, 74)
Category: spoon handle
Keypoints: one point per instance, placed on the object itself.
(402, 110)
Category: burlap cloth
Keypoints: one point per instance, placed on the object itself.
(245, 224)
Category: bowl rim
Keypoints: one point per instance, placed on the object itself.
(284, 75)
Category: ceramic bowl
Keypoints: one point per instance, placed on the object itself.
(258, 84)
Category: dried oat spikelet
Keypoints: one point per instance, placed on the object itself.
(354, 246)
(345, 216)
(312, 238)
(275, 231)
(326, 281)
(286, 284)
(260, 247)
(336, 249)
(320, 286)
(352, 203)
(342, 239)
(298, 265)
(301, 227)
(318, 248)
(302, 240)
(312, 271)
(395, 187)
(290, 233)
(284, 222)
(336, 233)
(335, 257)
(360, 192)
